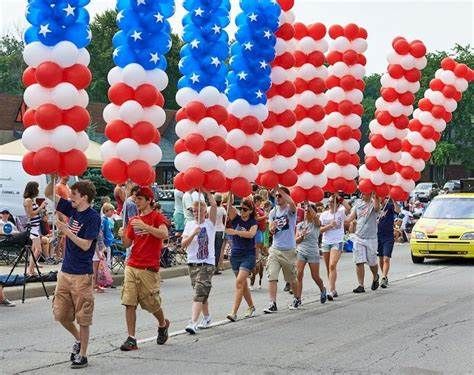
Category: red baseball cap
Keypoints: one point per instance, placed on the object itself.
(146, 192)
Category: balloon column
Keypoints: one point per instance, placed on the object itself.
(136, 110)
(252, 53)
(389, 128)
(56, 78)
(200, 122)
(344, 109)
(311, 99)
(429, 120)
(277, 159)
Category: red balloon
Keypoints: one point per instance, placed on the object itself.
(384, 118)
(336, 31)
(418, 49)
(330, 133)
(151, 178)
(437, 85)
(269, 150)
(160, 99)
(244, 155)
(425, 104)
(181, 114)
(394, 145)
(342, 158)
(389, 94)
(300, 60)
(29, 118)
(413, 75)
(462, 71)
(195, 143)
(218, 113)
(196, 111)
(285, 60)
(300, 30)
(351, 31)
(194, 177)
(358, 109)
(217, 145)
(382, 190)
(396, 71)
(316, 113)
(398, 194)
(349, 57)
(427, 132)
(340, 184)
(344, 132)
(407, 173)
(300, 167)
(139, 172)
(345, 107)
(362, 34)
(29, 76)
(315, 166)
(332, 81)
(356, 134)
(329, 158)
(287, 118)
(146, 95)
(120, 93)
(300, 139)
(214, 180)
(402, 47)
(438, 111)
(316, 140)
(401, 122)
(269, 180)
(348, 83)
(289, 178)
(317, 85)
(389, 168)
(286, 5)
(144, 132)
(287, 149)
(232, 123)
(372, 163)
(180, 183)
(355, 159)
(229, 153)
(28, 165)
(417, 152)
(249, 125)
(449, 91)
(48, 116)
(77, 118)
(448, 63)
(49, 74)
(362, 60)
(115, 171)
(351, 187)
(316, 58)
(366, 186)
(285, 32)
(79, 75)
(329, 187)
(377, 140)
(241, 187)
(47, 160)
(315, 194)
(73, 163)
(117, 130)
(298, 194)
(332, 58)
(180, 146)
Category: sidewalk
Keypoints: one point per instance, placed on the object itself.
(36, 289)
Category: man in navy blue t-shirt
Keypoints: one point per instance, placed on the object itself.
(385, 236)
(73, 297)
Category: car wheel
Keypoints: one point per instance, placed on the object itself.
(417, 260)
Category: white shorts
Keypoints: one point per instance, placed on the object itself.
(365, 251)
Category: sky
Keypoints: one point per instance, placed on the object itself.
(439, 24)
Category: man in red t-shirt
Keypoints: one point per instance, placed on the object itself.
(141, 285)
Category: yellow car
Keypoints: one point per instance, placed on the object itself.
(446, 229)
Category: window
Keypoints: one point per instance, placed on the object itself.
(451, 208)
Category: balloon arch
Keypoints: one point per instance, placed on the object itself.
(281, 106)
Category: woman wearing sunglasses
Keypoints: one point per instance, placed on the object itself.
(307, 249)
(243, 228)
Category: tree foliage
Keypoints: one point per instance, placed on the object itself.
(11, 64)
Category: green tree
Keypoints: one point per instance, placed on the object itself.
(11, 64)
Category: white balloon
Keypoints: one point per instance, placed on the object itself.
(339, 69)
(349, 172)
(249, 172)
(278, 104)
(65, 95)
(220, 165)
(157, 78)
(389, 132)
(184, 127)
(336, 94)
(309, 72)
(278, 134)
(209, 96)
(280, 164)
(305, 153)
(355, 96)
(232, 168)
(305, 180)
(358, 71)
(236, 138)
(222, 131)
(335, 119)
(407, 62)
(320, 153)
(36, 53)
(264, 164)
(448, 77)
(134, 75)
(82, 141)
(359, 45)
(184, 160)
(34, 138)
(461, 84)
(208, 127)
(185, 96)
(239, 108)
(65, 54)
(421, 62)
(306, 45)
(278, 75)
(309, 99)
(334, 144)
(207, 161)
(384, 155)
(111, 112)
(36, 95)
(108, 150)
(377, 177)
(63, 138)
(320, 180)
(280, 47)
(82, 98)
(131, 112)
(340, 44)
(333, 170)
(128, 150)
(260, 111)
(154, 115)
(364, 173)
(114, 76)
(150, 153)
(351, 146)
(84, 57)
(255, 142)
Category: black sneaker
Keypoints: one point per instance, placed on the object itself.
(334, 294)
(323, 296)
(163, 333)
(330, 296)
(295, 305)
(359, 289)
(375, 283)
(79, 362)
(271, 309)
(76, 348)
(287, 287)
(384, 282)
(129, 344)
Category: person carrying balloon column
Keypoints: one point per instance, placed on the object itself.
(144, 234)
(365, 212)
(386, 236)
(282, 253)
(73, 297)
(198, 240)
(332, 227)
(243, 229)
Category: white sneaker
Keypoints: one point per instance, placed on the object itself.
(191, 328)
(205, 322)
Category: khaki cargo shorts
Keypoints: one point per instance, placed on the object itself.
(73, 299)
(141, 287)
(281, 260)
(201, 281)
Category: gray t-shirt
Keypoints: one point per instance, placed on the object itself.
(366, 227)
(309, 245)
(284, 236)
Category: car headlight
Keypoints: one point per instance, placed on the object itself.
(420, 235)
(469, 236)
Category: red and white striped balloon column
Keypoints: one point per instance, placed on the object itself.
(57, 118)
(344, 109)
(277, 157)
(429, 120)
(310, 84)
(389, 128)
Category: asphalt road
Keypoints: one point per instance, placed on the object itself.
(422, 324)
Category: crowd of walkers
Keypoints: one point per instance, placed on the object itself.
(266, 232)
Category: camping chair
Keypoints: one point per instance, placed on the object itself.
(119, 256)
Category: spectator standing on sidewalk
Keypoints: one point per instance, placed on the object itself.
(73, 297)
(198, 240)
(144, 234)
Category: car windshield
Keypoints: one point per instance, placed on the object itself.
(423, 187)
(451, 208)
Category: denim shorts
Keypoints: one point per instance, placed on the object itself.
(326, 248)
(385, 247)
(313, 258)
(244, 262)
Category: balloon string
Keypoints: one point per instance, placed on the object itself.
(125, 207)
(199, 207)
(229, 199)
(54, 207)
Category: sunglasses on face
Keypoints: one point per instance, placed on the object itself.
(245, 209)
(278, 195)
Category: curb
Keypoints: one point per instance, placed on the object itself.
(34, 290)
